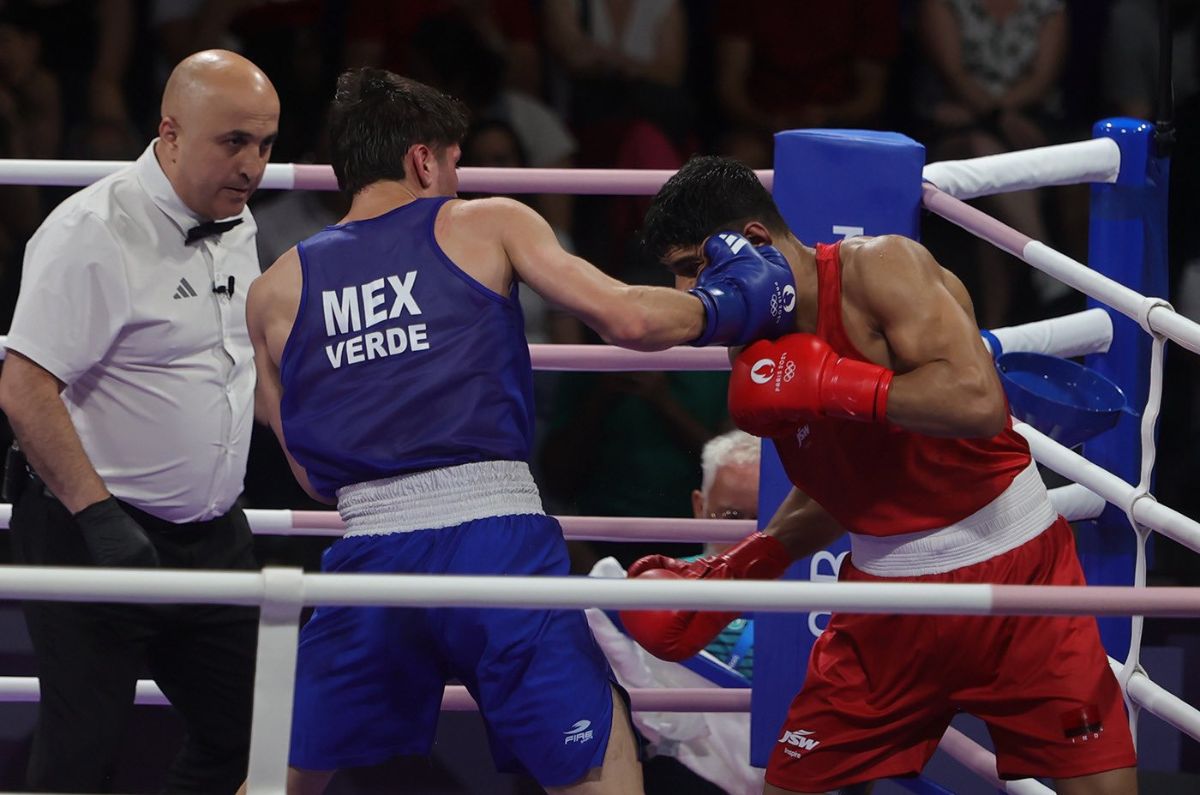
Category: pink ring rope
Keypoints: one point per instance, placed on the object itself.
(601, 358)
(20, 689)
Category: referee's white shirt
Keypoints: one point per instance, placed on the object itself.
(158, 367)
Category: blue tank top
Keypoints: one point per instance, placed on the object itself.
(398, 361)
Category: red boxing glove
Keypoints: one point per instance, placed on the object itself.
(778, 385)
(679, 634)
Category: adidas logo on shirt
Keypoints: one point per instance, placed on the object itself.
(185, 290)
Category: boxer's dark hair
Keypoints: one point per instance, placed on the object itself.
(377, 115)
(709, 194)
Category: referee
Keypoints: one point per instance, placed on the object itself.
(129, 383)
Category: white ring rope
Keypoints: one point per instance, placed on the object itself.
(1073, 501)
(1143, 507)
(60, 584)
(1153, 314)
(1076, 503)
(1142, 693)
(1146, 511)
(1097, 160)
(1077, 334)
(1159, 702)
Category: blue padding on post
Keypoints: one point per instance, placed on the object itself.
(1127, 241)
(829, 184)
(1134, 138)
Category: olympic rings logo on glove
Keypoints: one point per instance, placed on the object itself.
(783, 300)
(763, 371)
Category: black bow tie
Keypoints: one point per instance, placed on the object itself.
(201, 231)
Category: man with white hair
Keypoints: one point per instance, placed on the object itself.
(729, 484)
(729, 490)
(714, 746)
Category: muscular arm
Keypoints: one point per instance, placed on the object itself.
(946, 383)
(802, 525)
(632, 316)
(271, 302)
(29, 397)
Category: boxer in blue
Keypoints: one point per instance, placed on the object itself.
(393, 367)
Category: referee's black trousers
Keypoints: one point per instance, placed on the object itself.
(90, 656)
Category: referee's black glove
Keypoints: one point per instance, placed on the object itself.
(113, 537)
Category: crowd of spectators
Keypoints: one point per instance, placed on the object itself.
(629, 84)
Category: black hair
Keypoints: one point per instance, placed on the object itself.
(377, 115)
(707, 195)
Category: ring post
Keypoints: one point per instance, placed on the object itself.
(829, 184)
(275, 680)
(1126, 242)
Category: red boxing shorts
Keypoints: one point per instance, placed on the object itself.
(881, 689)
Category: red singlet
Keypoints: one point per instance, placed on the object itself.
(881, 480)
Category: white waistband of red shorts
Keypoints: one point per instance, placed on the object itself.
(439, 498)
(1020, 513)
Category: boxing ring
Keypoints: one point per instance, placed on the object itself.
(282, 593)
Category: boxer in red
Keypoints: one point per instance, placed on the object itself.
(891, 423)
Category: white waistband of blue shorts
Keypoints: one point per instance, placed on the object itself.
(439, 498)
(1020, 513)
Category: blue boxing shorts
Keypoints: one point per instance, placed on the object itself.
(369, 680)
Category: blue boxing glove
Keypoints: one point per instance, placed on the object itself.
(748, 292)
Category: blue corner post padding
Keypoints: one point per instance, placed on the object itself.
(829, 184)
(1127, 241)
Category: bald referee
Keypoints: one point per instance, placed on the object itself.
(129, 384)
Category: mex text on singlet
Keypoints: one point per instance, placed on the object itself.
(359, 308)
